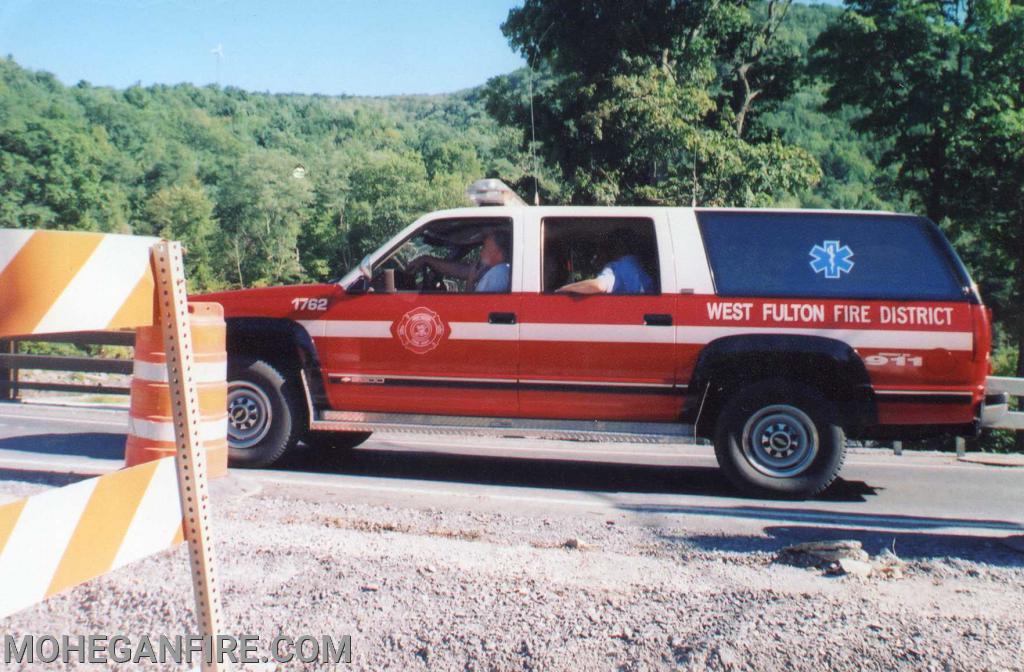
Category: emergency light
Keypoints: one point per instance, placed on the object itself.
(493, 192)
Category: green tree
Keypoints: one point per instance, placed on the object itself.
(386, 192)
(942, 82)
(262, 208)
(185, 213)
(642, 109)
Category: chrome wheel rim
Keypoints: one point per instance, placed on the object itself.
(249, 414)
(780, 441)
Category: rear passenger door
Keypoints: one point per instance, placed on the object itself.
(597, 356)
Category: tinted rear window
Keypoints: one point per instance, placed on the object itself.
(828, 255)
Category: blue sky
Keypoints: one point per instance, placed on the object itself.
(362, 47)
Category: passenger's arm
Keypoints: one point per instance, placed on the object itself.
(591, 286)
(602, 284)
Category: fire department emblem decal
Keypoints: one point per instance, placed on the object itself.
(420, 330)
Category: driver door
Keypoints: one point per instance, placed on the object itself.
(433, 345)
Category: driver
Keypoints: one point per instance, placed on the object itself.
(492, 274)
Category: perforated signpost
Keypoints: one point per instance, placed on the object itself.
(172, 302)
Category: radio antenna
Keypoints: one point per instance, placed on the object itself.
(533, 124)
(693, 201)
(533, 142)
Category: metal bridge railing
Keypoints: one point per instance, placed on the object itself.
(1015, 388)
(13, 362)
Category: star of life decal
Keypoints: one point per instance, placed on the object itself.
(831, 258)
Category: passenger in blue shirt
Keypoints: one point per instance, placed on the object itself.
(624, 275)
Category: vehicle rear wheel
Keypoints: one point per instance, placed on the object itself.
(779, 438)
(264, 416)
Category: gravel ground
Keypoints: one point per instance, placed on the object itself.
(428, 589)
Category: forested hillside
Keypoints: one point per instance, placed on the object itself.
(262, 188)
(216, 167)
(744, 104)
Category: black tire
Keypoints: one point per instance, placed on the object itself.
(339, 441)
(265, 418)
(778, 438)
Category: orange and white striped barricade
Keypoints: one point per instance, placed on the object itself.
(58, 281)
(59, 538)
(150, 425)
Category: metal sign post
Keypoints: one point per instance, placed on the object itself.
(172, 309)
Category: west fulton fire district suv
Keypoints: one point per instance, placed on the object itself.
(777, 334)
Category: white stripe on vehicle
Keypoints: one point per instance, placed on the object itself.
(855, 338)
(483, 331)
(595, 333)
(348, 328)
(639, 333)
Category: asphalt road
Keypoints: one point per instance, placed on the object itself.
(926, 501)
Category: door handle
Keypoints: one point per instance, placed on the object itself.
(501, 318)
(658, 320)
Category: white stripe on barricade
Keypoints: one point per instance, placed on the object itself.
(13, 241)
(209, 430)
(57, 539)
(37, 543)
(155, 520)
(102, 286)
(209, 372)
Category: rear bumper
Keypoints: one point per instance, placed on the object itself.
(995, 408)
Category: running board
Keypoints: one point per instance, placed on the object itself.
(572, 430)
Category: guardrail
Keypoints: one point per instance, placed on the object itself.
(12, 363)
(1015, 388)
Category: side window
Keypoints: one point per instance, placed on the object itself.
(619, 253)
(453, 256)
(841, 255)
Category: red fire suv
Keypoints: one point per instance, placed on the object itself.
(774, 333)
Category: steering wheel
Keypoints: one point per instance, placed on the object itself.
(432, 281)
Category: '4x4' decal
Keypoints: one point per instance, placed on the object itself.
(831, 259)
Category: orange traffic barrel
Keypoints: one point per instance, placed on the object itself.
(151, 426)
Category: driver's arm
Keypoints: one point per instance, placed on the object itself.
(452, 269)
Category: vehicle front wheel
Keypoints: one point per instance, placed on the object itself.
(341, 441)
(779, 438)
(264, 416)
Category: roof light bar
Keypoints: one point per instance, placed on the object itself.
(493, 192)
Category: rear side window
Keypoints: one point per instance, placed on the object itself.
(580, 248)
(789, 254)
